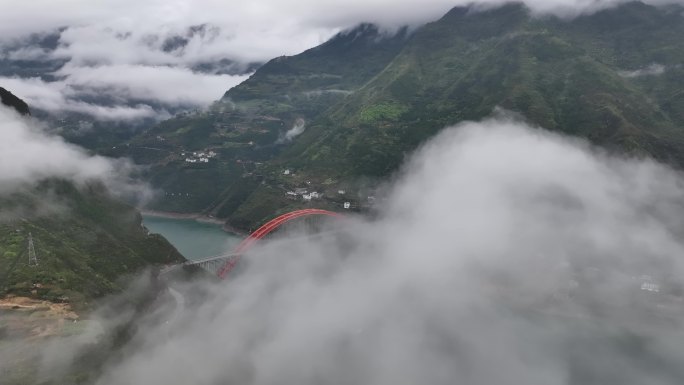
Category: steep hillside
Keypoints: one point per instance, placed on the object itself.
(10, 100)
(248, 126)
(579, 77)
(364, 100)
(84, 240)
(334, 69)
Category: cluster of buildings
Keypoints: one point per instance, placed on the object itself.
(177, 194)
(307, 196)
(313, 195)
(648, 284)
(199, 157)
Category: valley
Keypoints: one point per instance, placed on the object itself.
(342, 192)
(571, 76)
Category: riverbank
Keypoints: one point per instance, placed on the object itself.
(194, 238)
(196, 217)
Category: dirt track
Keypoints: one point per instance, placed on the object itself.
(31, 318)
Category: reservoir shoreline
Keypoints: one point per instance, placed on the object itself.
(197, 217)
(195, 238)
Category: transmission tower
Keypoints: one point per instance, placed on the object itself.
(33, 259)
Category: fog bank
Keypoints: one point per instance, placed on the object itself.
(503, 254)
(28, 155)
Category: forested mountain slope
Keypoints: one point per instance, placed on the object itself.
(360, 102)
(85, 239)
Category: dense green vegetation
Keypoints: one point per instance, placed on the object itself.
(84, 239)
(368, 99)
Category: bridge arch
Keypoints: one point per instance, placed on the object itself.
(264, 230)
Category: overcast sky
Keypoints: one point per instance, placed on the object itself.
(121, 47)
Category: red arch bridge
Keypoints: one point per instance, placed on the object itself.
(222, 265)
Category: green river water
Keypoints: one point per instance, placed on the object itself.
(195, 240)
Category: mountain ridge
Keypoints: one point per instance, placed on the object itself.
(10, 100)
(587, 77)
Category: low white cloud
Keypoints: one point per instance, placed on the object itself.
(652, 70)
(503, 254)
(178, 40)
(297, 129)
(291, 24)
(60, 96)
(166, 85)
(155, 88)
(28, 156)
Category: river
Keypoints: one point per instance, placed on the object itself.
(194, 239)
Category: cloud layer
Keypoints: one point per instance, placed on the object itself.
(28, 155)
(122, 92)
(155, 56)
(281, 20)
(503, 254)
